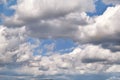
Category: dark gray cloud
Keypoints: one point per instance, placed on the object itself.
(92, 60)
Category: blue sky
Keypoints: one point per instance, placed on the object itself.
(52, 38)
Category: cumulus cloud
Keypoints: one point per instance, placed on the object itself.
(98, 49)
(77, 26)
(51, 8)
(104, 29)
(50, 18)
(17, 57)
(91, 59)
(44, 9)
(14, 48)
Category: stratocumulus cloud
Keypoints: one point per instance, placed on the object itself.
(97, 38)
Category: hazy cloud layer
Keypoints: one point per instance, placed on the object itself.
(102, 76)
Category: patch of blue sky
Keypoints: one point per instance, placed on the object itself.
(11, 2)
(100, 8)
(61, 45)
(40, 50)
(8, 12)
(5, 8)
(1, 8)
(65, 45)
(33, 41)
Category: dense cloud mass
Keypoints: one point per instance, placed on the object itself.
(17, 56)
(58, 19)
(88, 61)
(12, 44)
(44, 9)
(75, 25)
(104, 31)
(97, 39)
(70, 25)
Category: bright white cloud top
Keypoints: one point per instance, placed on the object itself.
(97, 38)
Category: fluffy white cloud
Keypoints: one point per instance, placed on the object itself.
(60, 19)
(17, 57)
(35, 11)
(75, 25)
(13, 48)
(50, 8)
(51, 18)
(91, 59)
(104, 29)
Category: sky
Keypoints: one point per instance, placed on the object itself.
(59, 39)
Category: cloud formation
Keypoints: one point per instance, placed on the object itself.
(98, 38)
(50, 18)
(70, 25)
(104, 29)
(14, 48)
(76, 25)
(20, 59)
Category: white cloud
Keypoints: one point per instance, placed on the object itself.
(91, 59)
(104, 29)
(75, 25)
(19, 58)
(35, 11)
(50, 8)
(114, 68)
(52, 19)
(14, 47)
(64, 27)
